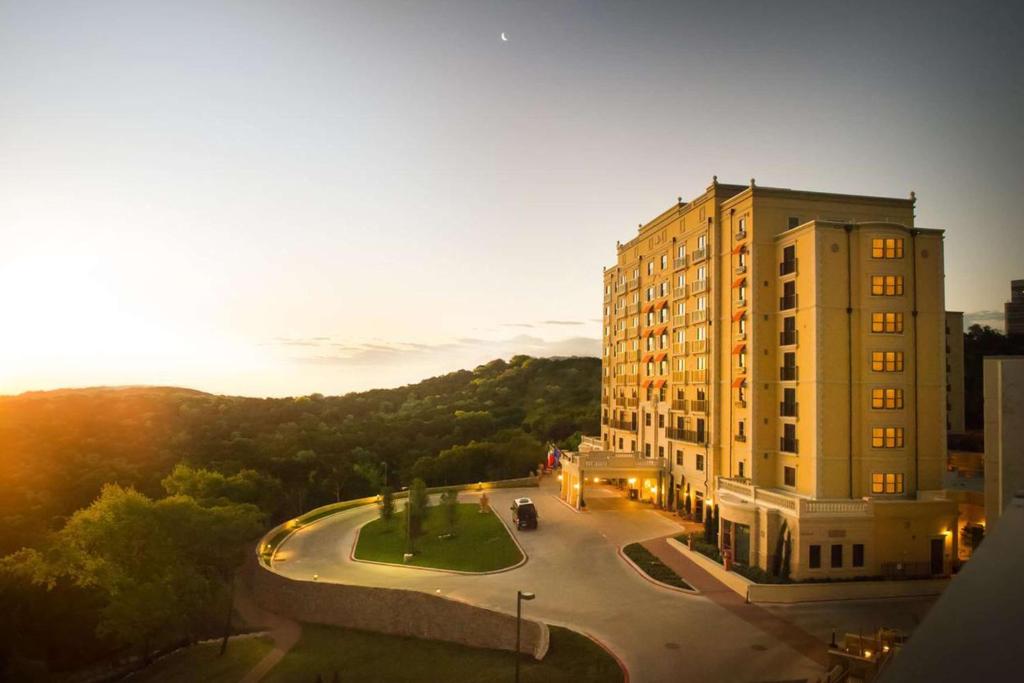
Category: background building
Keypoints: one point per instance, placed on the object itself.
(955, 372)
(1004, 440)
(782, 353)
(1013, 310)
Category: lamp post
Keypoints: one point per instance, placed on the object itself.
(520, 596)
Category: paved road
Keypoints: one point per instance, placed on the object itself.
(581, 582)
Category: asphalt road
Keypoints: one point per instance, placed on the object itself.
(580, 582)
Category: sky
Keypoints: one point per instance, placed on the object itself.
(279, 198)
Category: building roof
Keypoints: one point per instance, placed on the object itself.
(973, 632)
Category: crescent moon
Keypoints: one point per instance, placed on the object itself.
(504, 38)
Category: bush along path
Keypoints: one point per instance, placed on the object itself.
(649, 564)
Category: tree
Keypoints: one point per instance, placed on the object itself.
(387, 504)
(708, 534)
(450, 506)
(415, 513)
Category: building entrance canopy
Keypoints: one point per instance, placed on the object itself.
(579, 468)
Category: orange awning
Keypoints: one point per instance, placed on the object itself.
(738, 349)
(647, 357)
(738, 382)
(646, 383)
(660, 330)
(738, 248)
(660, 357)
(738, 282)
(658, 384)
(661, 305)
(738, 314)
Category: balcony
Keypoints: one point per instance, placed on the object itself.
(787, 338)
(740, 270)
(679, 377)
(632, 309)
(697, 377)
(788, 409)
(788, 445)
(741, 369)
(741, 438)
(698, 286)
(741, 303)
(626, 380)
(787, 303)
(679, 263)
(698, 316)
(675, 433)
(741, 336)
(689, 435)
(699, 346)
(741, 235)
(699, 406)
(680, 349)
(628, 425)
(787, 373)
(698, 255)
(679, 320)
(679, 404)
(787, 267)
(633, 284)
(631, 401)
(620, 288)
(679, 292)
(608, 295)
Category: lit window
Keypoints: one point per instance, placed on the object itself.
(887, 361)
(887, 437)
(887, 285)
(887, 323)
(887, 399)
(887, 247)
(887, 482)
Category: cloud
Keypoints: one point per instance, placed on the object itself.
(516, 325)
(993, 319)
(563, 322)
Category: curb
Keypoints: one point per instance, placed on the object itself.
(559, 499)
(644, 575)
(606, 648)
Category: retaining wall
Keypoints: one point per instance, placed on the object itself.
(396, 612)
(790, 593)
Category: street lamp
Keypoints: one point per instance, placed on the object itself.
(520, 596)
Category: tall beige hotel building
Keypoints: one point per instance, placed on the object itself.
(782, 354)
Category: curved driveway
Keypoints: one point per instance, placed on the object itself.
(580, 582)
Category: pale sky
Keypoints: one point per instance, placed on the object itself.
(277, 198)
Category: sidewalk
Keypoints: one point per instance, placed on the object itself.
(778, 628)
(284, 632)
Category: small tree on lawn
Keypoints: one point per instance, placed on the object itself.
(450, 505)
(415, 513)
(708, 534)
(387, 505)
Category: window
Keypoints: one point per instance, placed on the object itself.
(887, 482)
(887, 247)
(788, 264)
(858, 554)
(887, 361)
(788, 299)
(647, 450)
(661, 451)
(887, 399)
(700, 462)
(788, 335)
(650, 267)
(789, 476)
(837, 556)
(887, 285)
(741, 469)
(788, 442)
(679, 458)
(664, 261)
(788, 370)
(814, 561)
(887, 437)
(661, 420)
(681, 253)
(702, 241)
(887, 323)
(794, 221)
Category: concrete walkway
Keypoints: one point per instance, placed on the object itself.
(779, 629)
(284, 632)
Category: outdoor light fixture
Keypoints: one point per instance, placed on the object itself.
(632, 480)
(520, 596)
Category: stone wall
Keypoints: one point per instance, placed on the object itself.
(396, 612)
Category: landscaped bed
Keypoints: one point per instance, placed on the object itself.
(481, 543)
(203, 662)
(361, 656)
(653, 567)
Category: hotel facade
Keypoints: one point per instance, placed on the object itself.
(778, 356)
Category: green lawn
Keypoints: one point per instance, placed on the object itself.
(653, 567)
(481, 542)
(362, 656)
(203, 663)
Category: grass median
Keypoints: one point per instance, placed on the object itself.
(481, 543)
(653, 567)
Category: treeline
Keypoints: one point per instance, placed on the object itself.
(981, 341)
(125, 510)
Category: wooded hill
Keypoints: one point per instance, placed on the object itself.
(58, 448)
